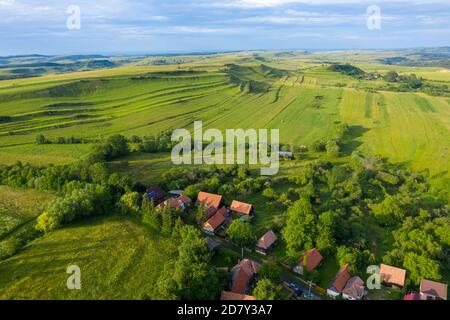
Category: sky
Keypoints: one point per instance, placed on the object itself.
(181, 26)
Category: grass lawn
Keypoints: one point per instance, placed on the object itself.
(18, 207)
(118, 259)
(327, 270)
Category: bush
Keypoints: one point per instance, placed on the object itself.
(8, 248)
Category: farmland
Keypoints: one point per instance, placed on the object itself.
(305, 104)
(396, 142)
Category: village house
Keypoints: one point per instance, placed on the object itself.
(242, 275)
(231, 296)
(241, 208)
(340, 280)
(180, 203)
(432, 290)
(215, 222)
(155, 194)
(266, 242)
(392, 276)
(311, 259)
(208, 200)
(354, 289)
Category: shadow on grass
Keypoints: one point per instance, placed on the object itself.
(352, 141)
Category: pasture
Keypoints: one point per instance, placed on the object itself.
(118, 260)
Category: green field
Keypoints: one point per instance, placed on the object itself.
(118, 260)
(293, 92)
(304, 104)
(18, 207)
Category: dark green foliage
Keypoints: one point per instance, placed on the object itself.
(266, 290)
(241, 234)
(347, 69)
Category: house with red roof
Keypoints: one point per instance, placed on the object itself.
(354, 289)
(340, 280)
(215, 222)
(242, 275)
(392, 276)
(311, 260)
(432, 290)
(209, 200)
(241, 208)
(266, 242)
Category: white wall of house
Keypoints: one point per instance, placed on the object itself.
(333, 293)
(298, 269)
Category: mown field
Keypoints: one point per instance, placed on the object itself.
(305, 105)
(19, 207)
(118, 260)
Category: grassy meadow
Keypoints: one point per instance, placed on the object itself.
(118, 260)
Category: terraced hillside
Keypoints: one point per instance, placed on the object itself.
(304, 103)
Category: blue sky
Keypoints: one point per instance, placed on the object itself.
(132, 26)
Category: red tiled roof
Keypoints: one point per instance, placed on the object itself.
(231, 296)
(209, 199)
(392, 275)
(216, 221)
(241, 207)
(341, 279)
(435, 289)
(184, 199)
(211, 211)
(354, 287)
(411, 297)
(267, 240)
(242, 274)
(313, 259)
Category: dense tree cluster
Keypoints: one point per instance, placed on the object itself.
(349, 209)
(189, 276)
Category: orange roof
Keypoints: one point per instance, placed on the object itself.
(341, 279)
(313, 259)
(241, 207)
(392, 275)
(435, 289)
(231, 296)
(216, 221)
(267, 240)
(242, 273)
(209, 199)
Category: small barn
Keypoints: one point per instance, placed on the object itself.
(242, 208)
(266, 243)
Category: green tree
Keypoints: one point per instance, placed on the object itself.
(265, 290)
(421, 267)
(270, 270)
(130, 203)
(388, 212)
(241, 233)
(40, 139)
(301, 230)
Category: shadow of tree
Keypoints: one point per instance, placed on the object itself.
(352, 141)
